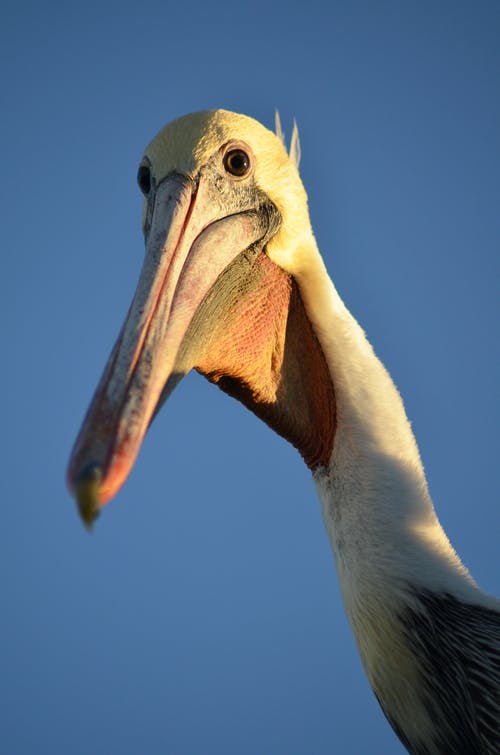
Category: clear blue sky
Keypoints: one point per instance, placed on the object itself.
(203, 616)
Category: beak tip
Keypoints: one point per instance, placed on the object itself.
(86, 492)
(88, 516)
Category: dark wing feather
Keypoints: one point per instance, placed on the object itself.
(458, 649)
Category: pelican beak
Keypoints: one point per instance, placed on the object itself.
(190, 242)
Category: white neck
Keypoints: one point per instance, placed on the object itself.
(388, 544)
(394, 561)
(378, 513)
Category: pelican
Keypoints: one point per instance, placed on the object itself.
(233, 285)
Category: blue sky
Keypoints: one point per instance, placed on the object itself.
(203, 615)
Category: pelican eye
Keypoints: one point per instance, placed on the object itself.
(237, 162)
(144, 179)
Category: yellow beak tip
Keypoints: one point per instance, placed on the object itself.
(86, 491)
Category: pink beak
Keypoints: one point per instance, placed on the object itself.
(189, 245)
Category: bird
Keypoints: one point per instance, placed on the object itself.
(234, 286)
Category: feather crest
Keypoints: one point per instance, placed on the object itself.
(294, 151)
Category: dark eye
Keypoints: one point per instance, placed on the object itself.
(144, 179)
(237, 162)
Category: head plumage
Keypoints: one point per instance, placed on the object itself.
(294, 150)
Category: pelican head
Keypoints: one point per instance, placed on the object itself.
(227, 237)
